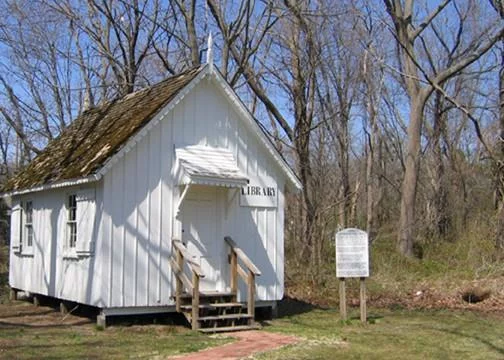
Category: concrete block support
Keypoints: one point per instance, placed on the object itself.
(63, 308)
(101, 321)
(13, 294)
(274, 310)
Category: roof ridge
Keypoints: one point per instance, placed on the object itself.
(159, 83)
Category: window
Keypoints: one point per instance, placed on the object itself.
(28, 226)
(72, 221)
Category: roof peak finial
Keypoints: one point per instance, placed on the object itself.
(209, 59)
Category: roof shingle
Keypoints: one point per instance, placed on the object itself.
(86, 144)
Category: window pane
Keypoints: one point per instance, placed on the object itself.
(72, 221)
(29, 212)
(72, 231)
(72, 207)
(29, 235)
(71, 201)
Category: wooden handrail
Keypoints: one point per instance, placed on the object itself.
(188, 257)
(182, 280)
(247, 276)
(242, 256)
(180, 274)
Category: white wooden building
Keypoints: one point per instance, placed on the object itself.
(95, 216)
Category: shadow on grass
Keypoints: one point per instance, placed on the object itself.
(4, 287)
(176, 319)
(289, 306)
(370, 317)
(50, 308)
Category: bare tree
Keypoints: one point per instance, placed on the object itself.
(122, 33)
(498, 5)
(373, 82)
(293, 68)
(420, 85)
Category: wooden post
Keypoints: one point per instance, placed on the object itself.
(178, 290)
(36, 300)
(234, 273)
(363, 310)
(251, 294)
(342, 299)
(195, 301)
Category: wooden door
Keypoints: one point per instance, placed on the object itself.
(200, 230)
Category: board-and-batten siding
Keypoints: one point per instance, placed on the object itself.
(135, 204)
(139, 200)
(140, 192)
(45, 269)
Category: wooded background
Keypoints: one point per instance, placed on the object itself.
(391, 112)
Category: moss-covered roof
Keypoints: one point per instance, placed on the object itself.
(85, 145)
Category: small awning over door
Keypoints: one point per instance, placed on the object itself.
(205, 165)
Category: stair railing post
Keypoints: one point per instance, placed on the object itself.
(251, 294)
(178, 293)
(195, 301)
(234, 273)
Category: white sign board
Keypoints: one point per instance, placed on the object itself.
(254, 195)
(352, 256)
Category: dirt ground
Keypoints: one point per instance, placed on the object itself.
(24, 313)
(421, 296)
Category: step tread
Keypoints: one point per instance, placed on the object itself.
(230, 328)
(207, 294)
(225, 317)
(214, 306)
(229, 304)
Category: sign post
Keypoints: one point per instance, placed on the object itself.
(352, 260)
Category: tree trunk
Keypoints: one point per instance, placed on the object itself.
(345, 193)
(499, 191)
(441, 219)
(409, 186)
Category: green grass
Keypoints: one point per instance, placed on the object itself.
(112, 343)
(52, 339)
(391, 335)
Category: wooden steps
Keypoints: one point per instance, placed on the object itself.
(218, 312)
(214, 311)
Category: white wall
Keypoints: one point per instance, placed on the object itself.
(135, 205)
(48, 268)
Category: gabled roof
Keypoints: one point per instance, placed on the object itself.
(86, 144)
(97, 139)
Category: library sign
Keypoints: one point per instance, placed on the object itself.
(254, 195)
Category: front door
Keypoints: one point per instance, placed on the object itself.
(200, 228)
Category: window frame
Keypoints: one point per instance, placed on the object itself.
(27, 232)
(71, 236)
